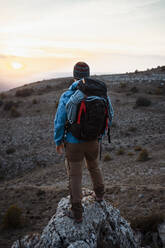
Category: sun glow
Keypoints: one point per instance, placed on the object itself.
(16, 65)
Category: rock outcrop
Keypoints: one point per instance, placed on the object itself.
(102, 226)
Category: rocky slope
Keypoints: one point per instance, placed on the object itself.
(33, 176)
(102, 226)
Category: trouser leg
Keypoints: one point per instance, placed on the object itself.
(91, 155)
(74, 161)
(97, 178)
(75, 181)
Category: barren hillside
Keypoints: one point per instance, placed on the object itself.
(33, 176)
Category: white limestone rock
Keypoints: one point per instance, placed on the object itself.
(102, 226)
(161, 230)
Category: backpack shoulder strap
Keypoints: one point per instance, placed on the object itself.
(81, 109)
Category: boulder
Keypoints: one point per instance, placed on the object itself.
(102, 226)
(161, 231)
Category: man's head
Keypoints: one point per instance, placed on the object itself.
(81, 70)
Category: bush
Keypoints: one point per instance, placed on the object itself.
(3, 96)
(132, 129)
(107, 157)
(147, 223)
(137, 148)
(56, 104)
(10, 150)
(14, 112)
(120, 151)
(1, 103)
(13, 217)
(8, 105)
(114, 124)
(158, 91)
(130, 153)
(34, 101)
(123, 85)
(2, 171)
(24, 92)
(142, 101)
(143, 156)
(134, 89)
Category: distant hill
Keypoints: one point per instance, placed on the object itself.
(158, 70)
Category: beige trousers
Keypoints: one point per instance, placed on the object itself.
(75, 154)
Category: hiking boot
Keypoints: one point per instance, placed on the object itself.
(75, 212)
(99, 194)
(99, 199)
(71, 215)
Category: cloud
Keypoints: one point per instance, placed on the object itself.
(2, 56)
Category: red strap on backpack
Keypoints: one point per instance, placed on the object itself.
(82, 108)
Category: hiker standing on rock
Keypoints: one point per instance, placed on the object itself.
(84, 114)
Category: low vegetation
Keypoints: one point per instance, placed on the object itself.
(13, 218)
(132, 129)
(142, 101)
(137, 148)
(107, 157)
(34, 101)
(134, 89)
(8, 105)
(10, 150)
(120, 151)
(56, 104)
(24, 92)
(1, 103)
(147, 223)
(123, 85)
(14, 112)
(3, 96)
(143, 155)
(130, 153)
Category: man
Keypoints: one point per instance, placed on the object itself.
(77, 150)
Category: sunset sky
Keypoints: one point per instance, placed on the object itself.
(42, 39)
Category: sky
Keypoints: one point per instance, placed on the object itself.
(43, 39)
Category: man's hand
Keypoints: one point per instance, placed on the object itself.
(60, 149)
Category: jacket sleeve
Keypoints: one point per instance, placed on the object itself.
(59, 121)
(61, 115)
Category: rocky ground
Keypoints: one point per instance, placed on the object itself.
(33, 176)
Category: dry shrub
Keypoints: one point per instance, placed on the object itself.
(143, 155)
(3, 96)
(2, 171)
(114, 124)
(15, 113)
(159, 91)
(34, 101)
(134, 89)
(120, 151)
(148, 223)
(24, 92)
(13, 217)
(137, 148)
(8, 105)
(10, 150)
(107, 157)
(130, 154)
(56, 104)
(123, 85)
(132, 129)
(1, 103)
(142, 102)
